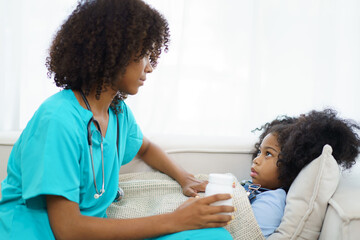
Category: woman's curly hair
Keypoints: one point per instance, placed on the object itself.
(302, 140)
(98, 41)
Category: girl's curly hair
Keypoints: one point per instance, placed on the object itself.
(98, 41)
(280, 126)
(302, 140)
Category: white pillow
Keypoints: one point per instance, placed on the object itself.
(308, 197)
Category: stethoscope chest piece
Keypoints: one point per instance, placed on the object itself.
(97, 195)
(119, 195)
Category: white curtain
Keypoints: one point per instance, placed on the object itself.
(26, 31)
(232, 66)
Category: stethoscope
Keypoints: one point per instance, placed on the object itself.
(98, 194)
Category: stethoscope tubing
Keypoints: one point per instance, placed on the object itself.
(96, 123)
(89, 137)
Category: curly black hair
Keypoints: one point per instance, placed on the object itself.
(280, 126)
(302, 139)
(98, 41)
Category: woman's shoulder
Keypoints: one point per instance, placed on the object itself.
(59, 100)
(58, 115)
(62, 105)
(63, 108)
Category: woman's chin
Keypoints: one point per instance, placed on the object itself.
(133, 92)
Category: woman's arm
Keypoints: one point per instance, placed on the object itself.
(68, 223)
(158, 159)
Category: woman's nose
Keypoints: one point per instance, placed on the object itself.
(148, 67)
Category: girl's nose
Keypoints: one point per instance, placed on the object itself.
(256, 160)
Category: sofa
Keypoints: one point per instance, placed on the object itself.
(233, 155)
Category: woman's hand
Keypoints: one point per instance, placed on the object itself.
(197, 213)
(155, 157)
(191, 186)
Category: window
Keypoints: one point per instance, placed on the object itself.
(232, 65)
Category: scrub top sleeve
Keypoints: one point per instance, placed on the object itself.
(134, 136)
(50, 162)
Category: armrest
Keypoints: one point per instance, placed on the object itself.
(342, 219)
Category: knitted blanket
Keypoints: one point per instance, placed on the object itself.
(151, 193)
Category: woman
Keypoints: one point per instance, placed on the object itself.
(63, 170)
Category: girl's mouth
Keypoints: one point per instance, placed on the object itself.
(253, 173)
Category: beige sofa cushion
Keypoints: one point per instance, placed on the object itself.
(308, 198)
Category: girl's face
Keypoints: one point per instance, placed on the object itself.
(264, 170)
(135, 76)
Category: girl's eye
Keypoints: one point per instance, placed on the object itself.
(268, 154)
(258, 153)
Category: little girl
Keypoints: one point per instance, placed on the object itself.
(285, 147)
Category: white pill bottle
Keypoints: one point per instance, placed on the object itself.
(220, 183)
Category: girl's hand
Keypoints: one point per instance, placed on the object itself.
(197, 213)
(191, 186)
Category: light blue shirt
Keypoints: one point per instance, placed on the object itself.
(268, 208)
(52, 157)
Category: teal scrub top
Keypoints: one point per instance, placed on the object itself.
(52, 157)
(198, 234)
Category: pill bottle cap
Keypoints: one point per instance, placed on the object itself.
(218, 178)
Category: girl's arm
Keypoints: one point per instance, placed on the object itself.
(158, 159)
(68, 223)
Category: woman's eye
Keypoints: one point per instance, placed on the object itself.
(258, 153)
